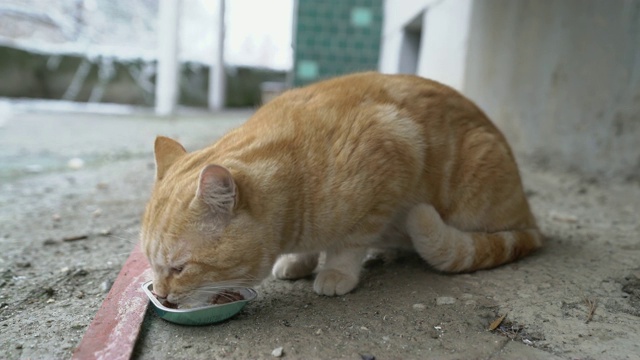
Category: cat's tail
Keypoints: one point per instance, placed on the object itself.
(449, 249)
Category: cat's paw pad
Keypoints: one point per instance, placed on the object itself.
(332, 282)
(291, 266)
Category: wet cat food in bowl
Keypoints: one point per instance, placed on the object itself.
(223, 306)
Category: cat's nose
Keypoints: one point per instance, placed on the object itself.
(159, 296)
(159, 291)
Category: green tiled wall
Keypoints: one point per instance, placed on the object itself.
(335, 37)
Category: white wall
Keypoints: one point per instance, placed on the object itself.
(560, 78)
(397, 14)
(445, 37)
(444, 41)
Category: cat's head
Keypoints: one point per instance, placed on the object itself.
(196, 234)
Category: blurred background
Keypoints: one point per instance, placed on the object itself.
(104, 51)
(559, 77)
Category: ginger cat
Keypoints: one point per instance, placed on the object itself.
(356, 162)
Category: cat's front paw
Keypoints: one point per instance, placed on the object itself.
(332, 282)
(295, 266)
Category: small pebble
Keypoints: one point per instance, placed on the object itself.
(51, 300)
(80, 272)
(419, 307)
(23, 264)
(563, 217)
(445, 300)
(75, 163)
(106, 286)
(104, 232)
(56, 217)
(49, 291)
(277, 352)
(319, 332)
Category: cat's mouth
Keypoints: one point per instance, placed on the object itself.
(223, 297)
(165, 302)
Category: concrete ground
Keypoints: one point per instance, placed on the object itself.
(86, 177)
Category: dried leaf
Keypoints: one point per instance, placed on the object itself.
(494, 325)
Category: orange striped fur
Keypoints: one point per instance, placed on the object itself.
(360, 161)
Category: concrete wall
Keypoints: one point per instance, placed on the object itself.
(428, 38)
(445, 41)
(561, 78)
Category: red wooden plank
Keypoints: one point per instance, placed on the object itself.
(113, 332)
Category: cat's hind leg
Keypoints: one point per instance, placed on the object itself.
(295, 266)
(341, 271)
(452, 250)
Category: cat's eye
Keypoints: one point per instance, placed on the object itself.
(177, 269)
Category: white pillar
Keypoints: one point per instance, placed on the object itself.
(167, 77)
(216, 70)
(445, 41)
(390, 52)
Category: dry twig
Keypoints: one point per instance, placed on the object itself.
(591, 308)
(75, 238)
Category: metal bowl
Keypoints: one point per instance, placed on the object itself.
(204, 315)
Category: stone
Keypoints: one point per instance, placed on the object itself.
(445, 300)
(277, 352)
(75, 163)
(419, 307)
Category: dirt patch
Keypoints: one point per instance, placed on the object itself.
(631, 288)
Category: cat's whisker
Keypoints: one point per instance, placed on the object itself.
(133, 240)
(234, 281)
(214, 289)
(220, 288)
(121, 254)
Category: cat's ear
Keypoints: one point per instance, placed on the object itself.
(167, 152)
(217, 189)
